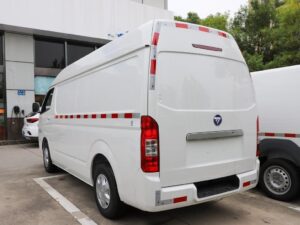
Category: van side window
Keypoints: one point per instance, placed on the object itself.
(47, 102)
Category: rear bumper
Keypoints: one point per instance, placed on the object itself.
(30, 132)
(186, 195)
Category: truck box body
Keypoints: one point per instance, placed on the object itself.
(277, 92)
(192, 82)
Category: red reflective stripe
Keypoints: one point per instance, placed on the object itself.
(103, 116)
(153, 67)
(86, 116)
(66, 116)
(128, 115)
(61, 116)
(270, 134)
(204, 29)
(246, 184)
(222, 34)
(56, 117)
(72, 116)
(78, 116)
(290, 135)
(114, 115)
(94, 116)
(155, 38)
(180, 199)
(182, 25)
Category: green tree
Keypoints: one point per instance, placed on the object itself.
(268, 33)
(218, 21)
(286, 43)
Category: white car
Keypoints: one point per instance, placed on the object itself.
(160, 118)
(30, 128)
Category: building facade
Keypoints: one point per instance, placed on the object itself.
(38, 38)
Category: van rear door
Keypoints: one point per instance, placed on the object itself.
(203, 102)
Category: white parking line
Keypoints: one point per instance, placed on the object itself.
(295, 207)
(65, 203)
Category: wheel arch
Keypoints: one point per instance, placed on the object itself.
(280, 149)
(102, 153)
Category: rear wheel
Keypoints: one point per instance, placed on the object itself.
(49, 166)
(279, 180)
(106, 192)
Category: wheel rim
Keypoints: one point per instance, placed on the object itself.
(103, 191)
(277, 180)
(46, 157)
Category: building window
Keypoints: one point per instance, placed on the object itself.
(42, 84)
(41, 87)
(77, 51)
(49, 54)
(1, 50)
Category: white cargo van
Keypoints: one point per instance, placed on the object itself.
(277, 93)
(161, 118)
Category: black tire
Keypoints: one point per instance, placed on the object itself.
(48, 165)
(115, 207)
(289, 184)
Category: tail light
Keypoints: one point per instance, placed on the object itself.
(32, 120)
(257, 140)
(149, 145)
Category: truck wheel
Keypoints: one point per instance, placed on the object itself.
(106, 192)
(49, 166)
(279, 180)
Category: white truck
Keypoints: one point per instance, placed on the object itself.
(160, 118)
(277, 93)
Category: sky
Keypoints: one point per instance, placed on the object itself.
(204, 7)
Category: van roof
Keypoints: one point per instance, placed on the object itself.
(277, 70)
(130, 42)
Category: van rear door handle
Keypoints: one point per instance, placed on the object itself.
(214, 135)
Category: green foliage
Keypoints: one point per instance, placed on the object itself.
(218, 21)
(270, 30)
(267, 32)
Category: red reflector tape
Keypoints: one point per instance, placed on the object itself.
(155, 38)
(103, 116)
(204, 29)
(94, 116)
(128, 115)
(114, 115)
(153, 67)
(78, 116)
(86, 116)
(71, 117)
(290, 135)
(182, 25)
(180, 199)
(222, 34)
(246, 184)
(210, 48)
(270, 134)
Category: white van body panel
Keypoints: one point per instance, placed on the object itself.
(271, 88)
(93, 97)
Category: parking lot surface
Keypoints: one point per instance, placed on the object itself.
(24, 201)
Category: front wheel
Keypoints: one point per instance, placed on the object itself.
(106, 192)
(279, 180)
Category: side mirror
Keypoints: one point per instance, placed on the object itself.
(35, 107)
